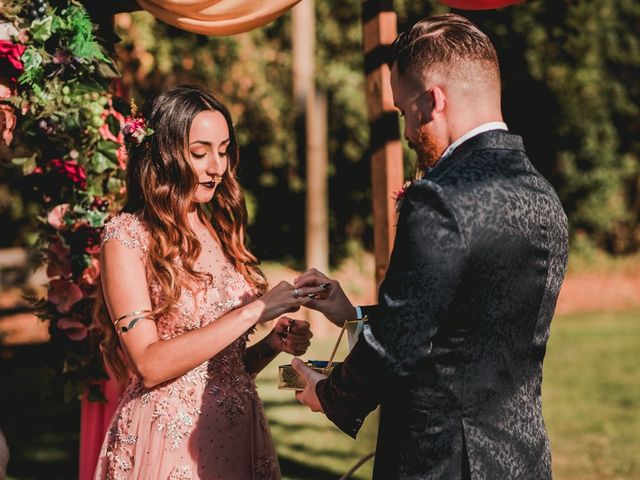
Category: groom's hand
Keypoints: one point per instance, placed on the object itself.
(308, 396)
(331, 301)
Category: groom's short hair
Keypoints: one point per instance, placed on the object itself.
(447, 45)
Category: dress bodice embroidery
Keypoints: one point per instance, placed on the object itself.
(221, 383)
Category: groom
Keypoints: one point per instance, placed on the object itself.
(453, 351)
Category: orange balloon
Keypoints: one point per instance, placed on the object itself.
(479, 4)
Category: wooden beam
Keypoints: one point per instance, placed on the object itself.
(379, 32)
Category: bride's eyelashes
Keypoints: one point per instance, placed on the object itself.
(202, 155)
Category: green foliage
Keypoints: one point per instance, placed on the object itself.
(69, 150)
(82, 42)
(569, 71)
(252, 74)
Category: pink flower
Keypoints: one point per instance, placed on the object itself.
(6, 89)
(23, 36)
(7, 122)
(56, 215)
(64, 294)
(135, 130)
(106, 134)
(90, 274)
(59, 262)
(122, 156)
(74, 328)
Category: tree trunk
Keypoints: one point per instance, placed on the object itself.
(312, 130)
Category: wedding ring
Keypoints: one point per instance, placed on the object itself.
(296, 293)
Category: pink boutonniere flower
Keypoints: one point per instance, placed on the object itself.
(400, 194)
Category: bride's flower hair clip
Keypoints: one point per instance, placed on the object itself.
(135, 129)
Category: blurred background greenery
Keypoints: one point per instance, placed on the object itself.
(570, 74)
(570, 71)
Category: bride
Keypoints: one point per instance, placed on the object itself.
(180, 293)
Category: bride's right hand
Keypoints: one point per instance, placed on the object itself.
(284, 298)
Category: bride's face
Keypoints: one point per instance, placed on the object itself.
(208, 152)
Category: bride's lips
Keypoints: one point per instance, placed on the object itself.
(211, 184)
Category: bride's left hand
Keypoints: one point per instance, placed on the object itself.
(291, 336)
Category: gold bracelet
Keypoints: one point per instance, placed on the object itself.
(132, 314)
(133, 323)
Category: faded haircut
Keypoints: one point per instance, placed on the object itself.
(448, 45)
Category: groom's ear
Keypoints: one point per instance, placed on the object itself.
(439, 99)
(430, 103)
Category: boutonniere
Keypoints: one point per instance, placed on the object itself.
(401, 193)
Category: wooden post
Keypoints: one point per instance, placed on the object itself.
(303, 53)
(317, 215)
(379, 32)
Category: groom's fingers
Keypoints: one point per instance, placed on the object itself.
(306, 291)
(311, 277)
(311, 273)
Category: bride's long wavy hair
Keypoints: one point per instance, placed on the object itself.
(160, 186)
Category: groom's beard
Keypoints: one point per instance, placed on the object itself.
(427, 148)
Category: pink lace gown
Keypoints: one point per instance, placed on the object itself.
(207, 424)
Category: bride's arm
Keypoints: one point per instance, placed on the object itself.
(289, 335)
(154, 360)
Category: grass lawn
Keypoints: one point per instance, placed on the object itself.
(591, 403)
(591, 392)
(307, 440)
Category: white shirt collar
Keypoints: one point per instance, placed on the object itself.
(485, 127)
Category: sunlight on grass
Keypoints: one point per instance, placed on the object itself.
(309, 445)
(591, 393)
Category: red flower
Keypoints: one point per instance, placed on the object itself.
(71, 170)
(10, 62)
(401, 193)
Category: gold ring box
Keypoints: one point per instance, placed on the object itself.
(288, 378)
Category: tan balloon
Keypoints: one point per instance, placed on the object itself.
(217, 17)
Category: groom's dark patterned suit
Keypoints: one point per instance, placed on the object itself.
(453, 351)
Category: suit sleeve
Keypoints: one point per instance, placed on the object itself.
(420, 285)
(422, 280)
(353, 389)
